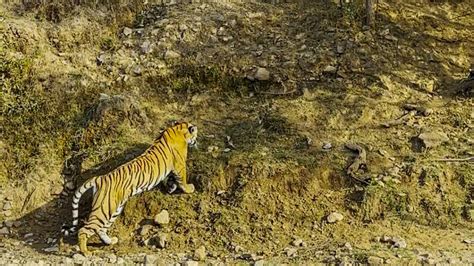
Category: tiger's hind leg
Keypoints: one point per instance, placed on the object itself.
(102, 232)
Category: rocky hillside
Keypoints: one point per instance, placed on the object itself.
(320, 139)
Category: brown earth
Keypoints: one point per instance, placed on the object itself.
(85, 89)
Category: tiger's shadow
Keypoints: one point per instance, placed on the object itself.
(41, 228)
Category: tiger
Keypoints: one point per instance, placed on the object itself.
(165, 157)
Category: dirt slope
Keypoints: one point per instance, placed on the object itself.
(277, 91)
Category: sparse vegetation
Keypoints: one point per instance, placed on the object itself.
(80, 95)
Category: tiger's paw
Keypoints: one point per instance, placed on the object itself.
(187, 188)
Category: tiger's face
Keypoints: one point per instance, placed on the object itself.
(189, 131)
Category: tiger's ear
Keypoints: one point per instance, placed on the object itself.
(174, 123)
(192, 129)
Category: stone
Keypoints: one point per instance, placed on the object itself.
(78, 258)
(191, 263)
(162, 240)
(151, 259)
(297, 242)
(111, 258)
(145, 47)
(330, 70)
(291, 252)
(7, 206)
(262, 74)
(9, 224)
(70, 186)
(433, 139)
(372, 260)
(146, 229)
(348, 246)
(52, 249)
(137, 70)
(327, 145)
(4, 231)
(399, 242)
(200, 253)
(162, 218)
(170, 55)
(334, 217)
(259, 263)
(120, 261)
(127, 31)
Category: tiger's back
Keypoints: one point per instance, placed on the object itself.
(167, 155)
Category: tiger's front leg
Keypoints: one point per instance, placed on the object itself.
(181, 180)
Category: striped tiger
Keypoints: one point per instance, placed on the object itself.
(166, 156)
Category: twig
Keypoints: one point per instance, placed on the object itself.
(468, 159)
(277, 93)
(214, 122)
(400, 120)
(360, 162)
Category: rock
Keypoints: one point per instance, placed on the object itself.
(127, 31)
(100, 60)
(200, 253)
(372, 260)
(145, 47)
(137, 70)
(291, 252)
(151, 259)
(297, 242)
(9, 224)
(399, 242)
(327, 145)
(52, 249)
(334, 217)
(4, 231)
(330, 70)
(78, 258)
(262, 74)
(348, 246)
(191, 263)
(433, 139)
(259, 263)
(7, 206)
(120, 261)
(170, 55)
(146, 229)
(111, 258)
(162, 240)
(468, 241)
(70, 186)
(162, 218)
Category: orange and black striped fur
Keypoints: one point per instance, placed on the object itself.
(166, 156)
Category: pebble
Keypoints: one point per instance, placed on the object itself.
(127, 31)
(162, 218)
(78, 258)
(372, 260)
(52, 249)
(7, 213)
(262, 74)
(191, 263)
(297, 242)
(259, 263)
(169, 55)
(4, 231)
(162, 240)
(334, 217)
(112, 258)
(70, 185)
(399, 242)
(290, 252)
(145, 229)
(433, 139)
(146, 47)
(9, 224)
(330, 70)
(151, 259)
(200, 253)
(7, 206)
(137, 70)
(327, 146)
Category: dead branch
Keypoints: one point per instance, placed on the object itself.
(400, 120)
(468, 159)
(360, 162)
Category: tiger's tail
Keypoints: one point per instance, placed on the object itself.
(66, 230)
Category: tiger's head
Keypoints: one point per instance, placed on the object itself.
(187, 130)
